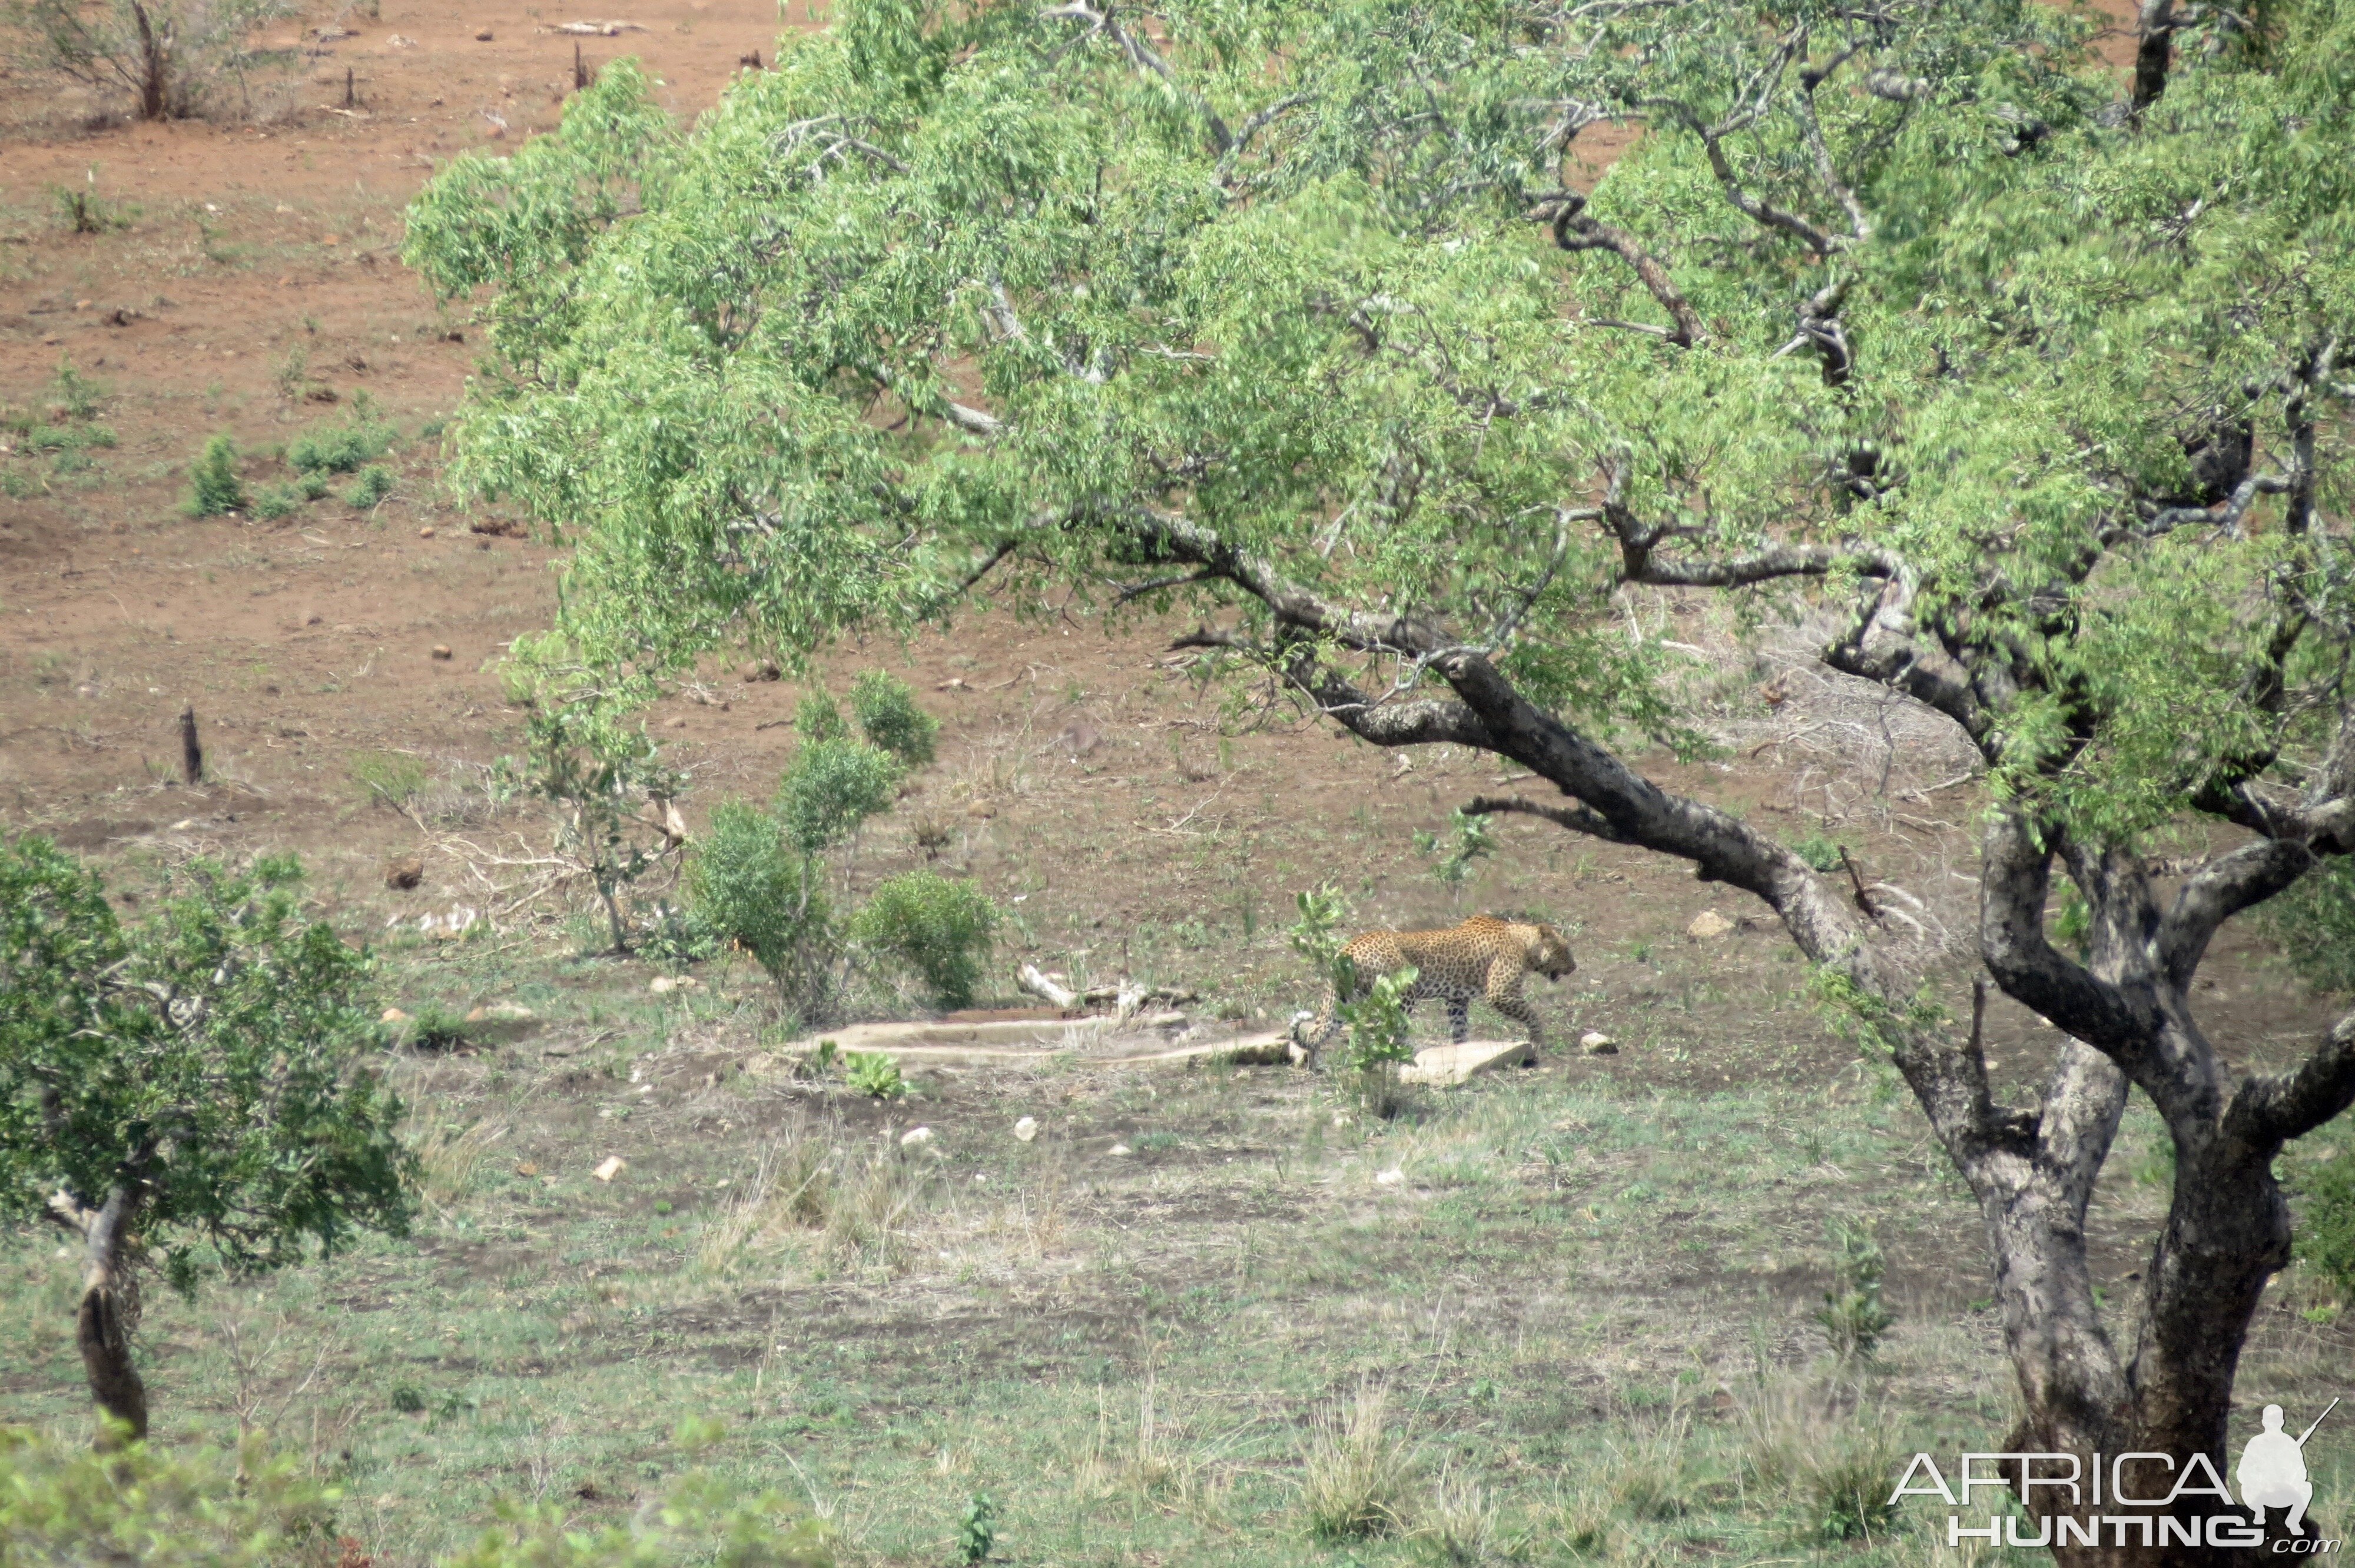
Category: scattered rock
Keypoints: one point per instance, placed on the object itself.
(916, 1137)
(761, 670)
(185, 823)
(954, 684)
(426, 532)
(1446, 1065)
(404, 874)
(1709, 923)
(1026, 1129)
(441, 651)
(526, 1169)
(662, 985)
(393, 1016)
(1393, 1177)
(981, 810)
(484, 36)
(1121, 1148)
(504, 1020)
(613, 1166)
(1598, 1044)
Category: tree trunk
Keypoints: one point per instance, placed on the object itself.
(109, 1308)
(154, 69)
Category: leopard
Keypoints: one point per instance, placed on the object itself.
(1484, 957)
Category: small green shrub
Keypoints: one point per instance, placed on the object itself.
(1377, 1021)
(2314, 921)
(387, 778)
(214, 486)
(831, 787)
(1820, 852)
(137, 1506)
(375, 484)
(78, 396)
(312, 486)
(677, 936)
(435, 1029)
(888, 715)
(2325, 1206)
(746, 885)
(278, 500)
(939, 930)
(819, 717)
(873, 1073)
(1853, 1316)
(977, 1530)
(1468, 841)
(407, 1399)
(340, 449)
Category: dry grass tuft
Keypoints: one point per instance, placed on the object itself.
(1359, 1470)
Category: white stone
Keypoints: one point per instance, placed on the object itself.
(1393, 1177)
(1709, 923)
(1027, 1129)
(915, 1138)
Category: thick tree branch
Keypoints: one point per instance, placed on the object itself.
(1577, 819)
(2241, 880)
(1574, 229)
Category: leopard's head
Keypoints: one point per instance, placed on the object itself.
(1549, 954)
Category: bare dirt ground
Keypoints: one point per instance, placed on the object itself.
(1573, 1261)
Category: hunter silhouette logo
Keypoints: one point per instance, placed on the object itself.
(2134, 1500)
(2272, 1471)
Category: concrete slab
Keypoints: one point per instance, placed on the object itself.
(1091, 1042)
(1446, 1065)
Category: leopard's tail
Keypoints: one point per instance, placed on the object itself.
(1327, 1024)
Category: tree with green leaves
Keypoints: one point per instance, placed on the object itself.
(1310, 322)
(186, 1093)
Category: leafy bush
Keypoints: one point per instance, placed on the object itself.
(164, 55)
(873, 1073)
(888, 715)
(278, 500)
(1819, 851)
(746, 885)
(819, 717)
(340, 449)
(1853, 1316)
(1377, 1021)
(939, 930)
(1469, 839)
(678, 937)
(977, 1530)
(2314, 922)
(601, 774)
(375, 484)
(198, 1081)
(831, 787)
(2325, 1193)
(62, 1503)
(214, 486)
